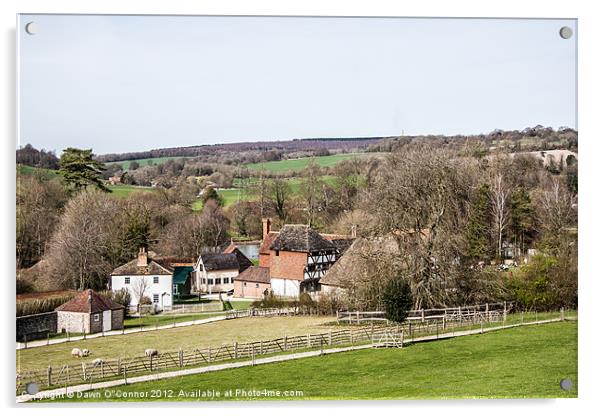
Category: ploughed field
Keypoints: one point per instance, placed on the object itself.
(523, 362)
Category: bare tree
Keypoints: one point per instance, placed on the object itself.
(139, 288)
(500, 209)
(279, 192)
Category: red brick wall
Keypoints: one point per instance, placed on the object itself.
(264, 260)
(288, 264)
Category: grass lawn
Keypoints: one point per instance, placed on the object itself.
(212, 334)
(301, 163)
(30, 170)
(525, 362)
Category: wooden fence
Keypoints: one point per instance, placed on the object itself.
(485, 312)
(99, 369)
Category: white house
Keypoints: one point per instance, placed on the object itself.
(215, 272)
(145, 277)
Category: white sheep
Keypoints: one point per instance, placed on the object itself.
(76, 352)
(150, 352)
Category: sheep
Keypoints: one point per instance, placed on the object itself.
(150, 352)
(76, 352)
(98, 361)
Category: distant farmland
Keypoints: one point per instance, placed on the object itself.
(301, 163)
(125, 164)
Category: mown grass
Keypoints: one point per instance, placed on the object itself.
(524, 362)
(301, 163)
(123, 191)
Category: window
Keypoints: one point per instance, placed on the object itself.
(278, 252)
(156, 279)
(155, 298)
(210, 281)
(226, 280)
(96, 317)
(127, 280)
(175, 289)
(218, 281)
(244, 283)
(257, 285)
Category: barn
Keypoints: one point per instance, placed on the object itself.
(88, 312)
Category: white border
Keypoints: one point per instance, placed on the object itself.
(589, 131)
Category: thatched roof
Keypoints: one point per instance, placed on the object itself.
(301, 238)
(219, 261)
(352, 264)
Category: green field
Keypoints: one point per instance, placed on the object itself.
(205, 335)
(301, 163)
(29, 170)
(525, 362)
(125, 164)
(123, 191)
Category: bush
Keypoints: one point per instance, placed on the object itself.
(32, 307)
(121, 296)
(145, 300)
(397, 299)
(271, 301)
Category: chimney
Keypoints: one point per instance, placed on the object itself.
(142, 258)
(267, 225)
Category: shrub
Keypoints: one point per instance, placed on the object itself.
(397, 299)
(32, 307)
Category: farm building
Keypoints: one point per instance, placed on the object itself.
(215, 272)
(254, 283)
(154, 279)
(88, 312)
(298, 256)
(354, 265)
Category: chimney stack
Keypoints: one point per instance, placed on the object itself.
(267, 225)
(142, 258)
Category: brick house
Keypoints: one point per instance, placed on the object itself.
(253, 283)
(88, 312)
(298, 256)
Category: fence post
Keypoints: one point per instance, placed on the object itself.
(210, 352)
(285, 343)
(253, 355)
(505, 311)
(444, 322)
(481, 327)
(371, 331)
(330, 337)
(308, 341)
(260, 347)
(48, 338)
(49, 375)
(125, 374)
(181, 357)
(321, 346)
(562, 314)
(422, 314)
(402, 338)
(357, 315)
(151, 363)
(236, 350)
(67, 373)
(84, 371)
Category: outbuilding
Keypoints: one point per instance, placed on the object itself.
(88, 312)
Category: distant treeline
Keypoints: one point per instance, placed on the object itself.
(278, 148)
(30, 156)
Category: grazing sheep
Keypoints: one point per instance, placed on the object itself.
(76, 352)
(98, 361)
(85, 352)
(150, 352)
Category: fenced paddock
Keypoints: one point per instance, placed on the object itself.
(474, 313)
(373, 333)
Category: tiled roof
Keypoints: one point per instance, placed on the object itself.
(255, 274)
(89, 301)
(132, 269)
(300, 238)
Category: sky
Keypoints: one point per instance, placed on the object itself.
(134, 83)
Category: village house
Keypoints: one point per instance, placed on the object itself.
(88, 312)
(160, 280)
(243, 261)
(253, 283)
(215, 272)
(298, 256)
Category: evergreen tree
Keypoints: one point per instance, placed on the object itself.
(397, 298)
(522, 218)
(80, 170)
(479, 223)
